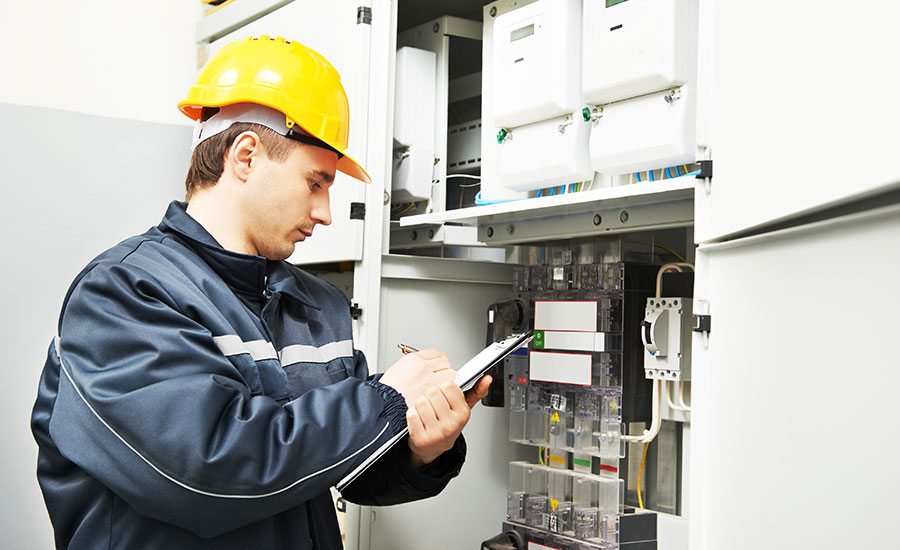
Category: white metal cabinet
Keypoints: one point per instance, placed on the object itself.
(798, 103)
(795, 397)
(331, 29)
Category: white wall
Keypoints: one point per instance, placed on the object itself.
(93, 148)
(124, 59)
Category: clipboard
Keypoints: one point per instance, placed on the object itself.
(466, 377)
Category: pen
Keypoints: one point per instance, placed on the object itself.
(406, 349)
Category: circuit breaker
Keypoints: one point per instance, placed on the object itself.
(636, 47)
(666, 334)
(537, 62)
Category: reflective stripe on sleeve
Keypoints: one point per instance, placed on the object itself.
(311, 354)
(232, 344)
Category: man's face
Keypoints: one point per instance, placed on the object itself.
(287, 200)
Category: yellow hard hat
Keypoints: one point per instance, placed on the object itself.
(283, 75)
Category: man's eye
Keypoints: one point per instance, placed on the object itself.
(315, 185)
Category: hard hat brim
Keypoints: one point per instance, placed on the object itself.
(349, 166)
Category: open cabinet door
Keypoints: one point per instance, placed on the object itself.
(330, 28)
(794, 388)
(794, 398)
(798, 107)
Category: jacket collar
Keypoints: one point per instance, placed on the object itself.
(242, 272)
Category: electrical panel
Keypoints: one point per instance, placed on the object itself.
(571, 394)
(537, 62)
(648, 132)
(543, 154)
(413, 158)
(636, 47)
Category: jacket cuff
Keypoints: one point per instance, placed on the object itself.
(438, 472)
(394, 405)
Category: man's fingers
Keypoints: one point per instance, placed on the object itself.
(439, 403)
(416, 428)
(477, 393)
(454, 396)
(426, 412)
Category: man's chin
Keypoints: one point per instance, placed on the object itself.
(279, 254)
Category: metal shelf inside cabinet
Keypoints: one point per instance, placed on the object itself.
(636, 207)
(433, 235)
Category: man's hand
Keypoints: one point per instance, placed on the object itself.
(438, 417)
(415, 373)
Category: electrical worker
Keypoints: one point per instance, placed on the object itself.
(202, 392)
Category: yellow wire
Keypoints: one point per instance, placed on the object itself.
(664, 247)
(640, 475)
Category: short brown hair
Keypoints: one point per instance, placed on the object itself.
(208, 159)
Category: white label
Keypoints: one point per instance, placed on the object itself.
(575, 341)
(562, 368)
(574, 316)
(557, 274)
(536, 546)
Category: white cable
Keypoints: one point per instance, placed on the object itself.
(664, 269)
(671, 403)
(655, 423)
(681, 402)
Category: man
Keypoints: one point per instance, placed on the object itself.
(203, 393)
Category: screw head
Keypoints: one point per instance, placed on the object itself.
(490, 232)
(623, 217)
(598, 219)
(431, 233)
(510, 229)
(414, 235)
(493, 11)
(436, 27)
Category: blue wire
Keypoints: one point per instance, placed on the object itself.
(638, 174)
(651, 174)
(483, 202)
(668, 174)
(540, 192)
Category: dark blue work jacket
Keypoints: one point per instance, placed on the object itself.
(198, 398)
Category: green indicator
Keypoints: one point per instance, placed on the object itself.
(581, 462)
(538, 342)
(611, 3)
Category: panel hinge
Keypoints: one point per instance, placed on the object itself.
(702, 323)
(357, 210)
(364, 15)
(355, 311)
(706, 171)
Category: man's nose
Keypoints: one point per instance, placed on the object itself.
(321, 212)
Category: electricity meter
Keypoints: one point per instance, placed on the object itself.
(636, 47)
(537, 62)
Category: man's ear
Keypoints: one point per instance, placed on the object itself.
(244, 155)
